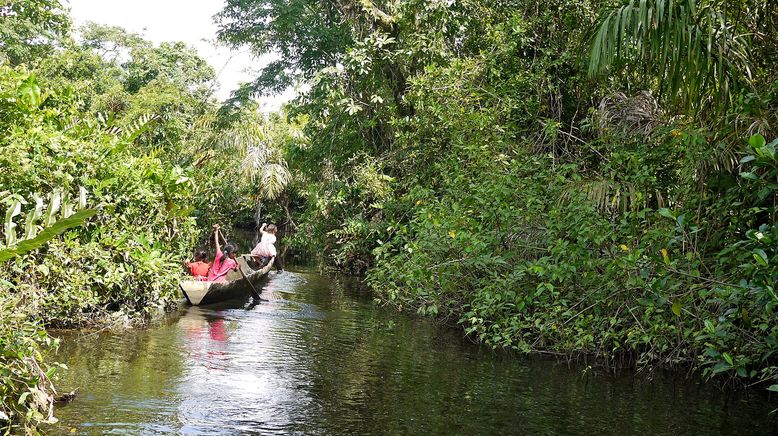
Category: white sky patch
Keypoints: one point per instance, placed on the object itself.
(189, 21)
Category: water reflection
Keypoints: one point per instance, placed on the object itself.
(318, 358)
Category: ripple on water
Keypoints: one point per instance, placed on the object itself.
(319, 358)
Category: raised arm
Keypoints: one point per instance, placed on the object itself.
(216, 237)
(224, 240)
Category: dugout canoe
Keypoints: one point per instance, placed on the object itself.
(236, 286)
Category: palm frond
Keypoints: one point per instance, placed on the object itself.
(136, 128)
(693, 52)
(273, 179)
(255, 158)
(243, 137)
(608, 196)
(262, 162)
(721, 157)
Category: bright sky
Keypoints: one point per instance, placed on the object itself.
(189, 21)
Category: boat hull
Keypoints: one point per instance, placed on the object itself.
(236, 287)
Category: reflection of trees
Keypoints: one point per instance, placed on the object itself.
(339, 365)
(151, 355)
(377, 372)
(106, 368)
(380, 379)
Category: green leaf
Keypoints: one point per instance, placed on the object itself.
(757, 141)
(23, 397)
(81, 197)
(666, 213)
(749, 176)
(761, 257)
(10, 226)
(33, 217)
(773, 388)
(747, 159)
(677, 308)
(55, 200)
(29, 92)
(721, 367)
(47, 234)
(728, 358)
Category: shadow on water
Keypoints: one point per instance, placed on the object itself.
(319, 358)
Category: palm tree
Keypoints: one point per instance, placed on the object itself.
(688, 47)
(262, 162)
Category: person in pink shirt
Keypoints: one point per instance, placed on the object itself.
(224, 262)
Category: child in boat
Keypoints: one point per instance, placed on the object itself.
(224, 262)
(265, 251)
(199, 268)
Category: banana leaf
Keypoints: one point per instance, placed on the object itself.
(49, 233)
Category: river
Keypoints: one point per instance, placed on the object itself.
(321, 358)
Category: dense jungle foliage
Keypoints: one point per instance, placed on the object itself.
(119, 146)
(592, 178)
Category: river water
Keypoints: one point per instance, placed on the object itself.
(321, 358)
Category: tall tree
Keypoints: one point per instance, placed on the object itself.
(143, 62)
(304, 35)
(31, 28)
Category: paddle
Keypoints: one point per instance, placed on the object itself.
(253, 289)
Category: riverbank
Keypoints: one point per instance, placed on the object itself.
(107, 181)
(558, 177)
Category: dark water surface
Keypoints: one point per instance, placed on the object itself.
(320, 358)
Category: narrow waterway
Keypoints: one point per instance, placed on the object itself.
(321, 358)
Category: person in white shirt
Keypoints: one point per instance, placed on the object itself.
(265, 251)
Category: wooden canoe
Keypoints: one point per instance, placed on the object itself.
(236, 287)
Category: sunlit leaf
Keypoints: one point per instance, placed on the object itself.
(757, 141)
(9, 226)
(665, 255)
(30, 92)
